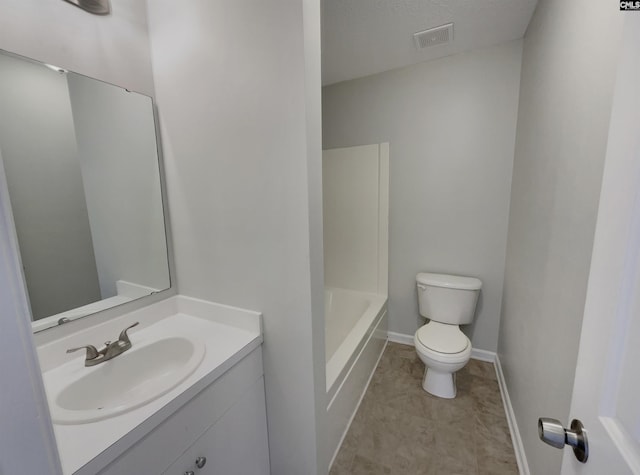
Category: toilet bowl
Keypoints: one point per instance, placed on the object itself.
(451, 355)
(447, 301)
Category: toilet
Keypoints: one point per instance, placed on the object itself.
(447, 301)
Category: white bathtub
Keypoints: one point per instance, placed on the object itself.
(355, 335)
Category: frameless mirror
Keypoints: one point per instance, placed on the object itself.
(82, 172)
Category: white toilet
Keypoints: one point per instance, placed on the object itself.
(447, 301)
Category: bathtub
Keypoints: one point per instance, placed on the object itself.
(355, 336)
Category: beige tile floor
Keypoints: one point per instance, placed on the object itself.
(400, 429)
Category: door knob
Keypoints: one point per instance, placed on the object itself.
(552, 432)
(201, 462)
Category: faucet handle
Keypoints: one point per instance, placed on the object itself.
(124, 338)
(92, 352)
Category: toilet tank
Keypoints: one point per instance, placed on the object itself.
(447, 298)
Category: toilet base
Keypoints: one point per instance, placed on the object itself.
(439, 384)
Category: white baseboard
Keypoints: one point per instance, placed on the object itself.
(483, 355)
(476, 354)
(400, 338)
(521, 457)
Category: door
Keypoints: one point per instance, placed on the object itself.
(607, 382)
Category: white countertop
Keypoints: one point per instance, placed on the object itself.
(228, 333)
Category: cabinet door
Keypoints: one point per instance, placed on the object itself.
(236, 444)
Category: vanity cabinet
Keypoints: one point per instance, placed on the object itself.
(224, 424)
(234, 445)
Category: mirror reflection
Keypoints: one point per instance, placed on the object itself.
(83, 180)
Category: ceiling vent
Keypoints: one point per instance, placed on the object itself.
(434, 36)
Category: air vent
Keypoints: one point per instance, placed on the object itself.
(434, 36)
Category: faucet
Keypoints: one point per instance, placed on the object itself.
(109, 351)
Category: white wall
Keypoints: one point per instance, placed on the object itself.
(239, 108)
(115, 132)
(451, 128)
(113, 48)
(568, 75)
(38, 142)
(313, 102)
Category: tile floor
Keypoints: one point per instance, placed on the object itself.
(400, 429)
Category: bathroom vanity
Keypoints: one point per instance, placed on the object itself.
(181, 389)
(211, 420)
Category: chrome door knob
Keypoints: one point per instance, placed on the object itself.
(201, 462)
(552, 432)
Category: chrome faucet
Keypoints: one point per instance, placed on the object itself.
(109, 351)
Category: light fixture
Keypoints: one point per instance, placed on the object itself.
(97, 7)
(57, 69)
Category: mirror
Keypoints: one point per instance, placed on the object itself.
(83, 178)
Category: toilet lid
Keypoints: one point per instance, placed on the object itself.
(442, 338)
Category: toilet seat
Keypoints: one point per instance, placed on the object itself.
(442, 338)
(443, 358)
(455, 344)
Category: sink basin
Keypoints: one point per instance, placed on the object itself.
(79, 395)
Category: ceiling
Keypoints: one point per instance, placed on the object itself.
(364, 37)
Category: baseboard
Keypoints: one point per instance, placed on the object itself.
(483, 355)
(521, 457)
(400, 338)
(476, 354)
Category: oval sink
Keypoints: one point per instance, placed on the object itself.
(122, 384)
